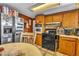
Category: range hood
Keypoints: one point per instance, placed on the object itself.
(53, 25)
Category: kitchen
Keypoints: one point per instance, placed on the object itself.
(53, 29)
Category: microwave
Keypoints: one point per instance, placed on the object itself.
(38, 28)
(7, 29)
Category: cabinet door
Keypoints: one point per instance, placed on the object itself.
(40, 19)
(48, 19)
(70, 19)
(39, 39)
(77, 48)
(58, 17)
(67, 46)
(61, 45)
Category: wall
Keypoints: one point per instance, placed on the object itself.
(0, 8)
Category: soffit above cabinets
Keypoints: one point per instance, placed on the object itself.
(61, 8)
(26, 8)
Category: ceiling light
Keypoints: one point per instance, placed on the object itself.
(77, 5)
(45, 6)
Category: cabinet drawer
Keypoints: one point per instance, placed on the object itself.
(68, 39)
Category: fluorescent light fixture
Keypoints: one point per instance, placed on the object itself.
(45, 6)
(77, 5)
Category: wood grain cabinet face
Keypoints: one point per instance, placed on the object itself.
(48, 19)
(39, 39)
(58, 17)
(70, 19)
(40, 19)
(77, 48)
(61, 45)
(67, 46)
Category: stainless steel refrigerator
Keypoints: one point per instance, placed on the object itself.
(6, 25)
(19, 27)
(10, 28)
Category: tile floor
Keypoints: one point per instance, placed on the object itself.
(46, 52)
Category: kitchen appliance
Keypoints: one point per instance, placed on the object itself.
(6, 28)
(7, 34)
(10, 28)
(51, 31)
(52, 25)
(11, 25)
(49, 40)
(19, 27)
(38, 28)
(77, 31)
(68, 31)
(60, 31)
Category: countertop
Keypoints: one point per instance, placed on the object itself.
(27, 33)
(70, 36)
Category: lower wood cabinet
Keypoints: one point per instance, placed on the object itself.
(39, 39)
(77, 48)
(67, 46)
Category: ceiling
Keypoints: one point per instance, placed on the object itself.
(25, 8)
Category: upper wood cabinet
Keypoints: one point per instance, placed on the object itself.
(67, 45)
(27, 23)
(70, 19)
(48, 18)
(40, 19)
(58, 17)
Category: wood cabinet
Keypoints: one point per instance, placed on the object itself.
(27, 23)
(70, 19)
(39, 39)
(48, 18)
(67, 46)
(58, 17)
(40, 19)
(77, 48)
